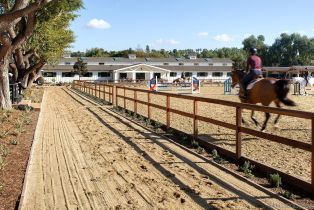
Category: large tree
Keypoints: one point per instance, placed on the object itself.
(293, 49)
(80, 67)
(17, 23)
(50, 38)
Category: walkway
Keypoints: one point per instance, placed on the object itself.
(87, 157)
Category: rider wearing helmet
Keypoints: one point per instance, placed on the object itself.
(254, 66)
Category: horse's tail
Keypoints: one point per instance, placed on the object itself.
(282, 89)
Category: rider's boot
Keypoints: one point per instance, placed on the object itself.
(244, 94)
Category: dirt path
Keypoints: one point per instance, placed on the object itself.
(87, 157)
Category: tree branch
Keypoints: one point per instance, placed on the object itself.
(26, 31)
(7, 19)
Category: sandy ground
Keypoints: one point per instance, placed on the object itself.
(285, 158)
(86, 157)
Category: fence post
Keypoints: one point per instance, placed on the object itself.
(111, 94)
(124, 104)
(98, 91)
(195, 122)
(104, 92)
(312, 165)
(95, 87)
(148, 106)
(238, 133)
(168, 111)
(135, 101)
(116, 95)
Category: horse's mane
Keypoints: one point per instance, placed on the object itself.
(239, 72)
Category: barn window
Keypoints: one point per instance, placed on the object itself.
(50, 74)
(173, 74)
(103, 74)
(202, 74)
(67, 74)
(87, 74)
(217, 74)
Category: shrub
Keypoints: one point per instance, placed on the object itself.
(216, 157)
(200, 150)
(287, 194)
(170, 130)
(184, 139)
(157, 125)
(195, 144)
(215, 153)
(275, 180)
(247, 168)
(148, 122)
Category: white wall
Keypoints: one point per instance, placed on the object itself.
(59, 77)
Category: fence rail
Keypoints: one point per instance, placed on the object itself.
(119, 92)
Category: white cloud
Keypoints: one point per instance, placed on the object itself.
(172, 41)
(98, 24)
(203, 34)
(224, 38)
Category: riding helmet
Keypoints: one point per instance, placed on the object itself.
(253, 50)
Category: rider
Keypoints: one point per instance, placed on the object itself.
(254, 65)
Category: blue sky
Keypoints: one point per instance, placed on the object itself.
(182, 24)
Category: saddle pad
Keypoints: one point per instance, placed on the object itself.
(252, 83)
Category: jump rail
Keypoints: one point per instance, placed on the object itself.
(112, 95)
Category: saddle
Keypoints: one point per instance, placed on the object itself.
(253, 82)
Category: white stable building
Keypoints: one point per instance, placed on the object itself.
(116, 69)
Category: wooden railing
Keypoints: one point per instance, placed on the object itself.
(119, 92)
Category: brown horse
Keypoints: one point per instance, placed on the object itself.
(264, 91)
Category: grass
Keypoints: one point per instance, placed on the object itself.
(2, 164)
(33, 94)
(1, 187)
(4, 151)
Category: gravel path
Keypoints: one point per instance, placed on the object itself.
(87, 157)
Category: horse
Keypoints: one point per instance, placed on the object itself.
(181, 80)
(264, 91)
(178, 81)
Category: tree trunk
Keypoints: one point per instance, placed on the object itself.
(5, 101)
(31, 78)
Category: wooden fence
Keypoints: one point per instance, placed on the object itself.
(112, 93)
